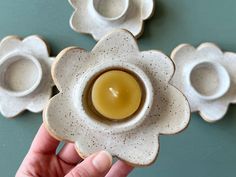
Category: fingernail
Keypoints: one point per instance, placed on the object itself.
(102, 161)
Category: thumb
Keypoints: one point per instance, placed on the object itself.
(96, 165)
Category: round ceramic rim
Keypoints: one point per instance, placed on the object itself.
(115, 93)
(11, 58)
(222, 74)
(119, 17)
(115, 126)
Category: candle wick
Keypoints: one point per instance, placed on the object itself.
(114, 92)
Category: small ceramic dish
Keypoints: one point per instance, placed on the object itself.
(98, 17)
(70, 115)
(25, 79)
(207, 77)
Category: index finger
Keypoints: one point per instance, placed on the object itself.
(43, 142)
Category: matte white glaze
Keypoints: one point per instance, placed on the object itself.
(165, 110)
(98, 17)
(209, 80)
(137, 119)
(207, 77)
(25, 79)
(20, 74)
(109, 10)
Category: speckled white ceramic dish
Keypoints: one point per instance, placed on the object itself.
(69, 116)
(25, 79)
(98, 17)
(207, 77)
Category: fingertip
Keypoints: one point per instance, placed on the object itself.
(96, 165)
(102, 161)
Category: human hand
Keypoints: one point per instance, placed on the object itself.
(42, 161)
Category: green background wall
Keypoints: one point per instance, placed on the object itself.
(203, 150)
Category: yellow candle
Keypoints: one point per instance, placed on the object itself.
(116, 95)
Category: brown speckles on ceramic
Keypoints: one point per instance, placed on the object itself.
(103, 16)
(206, 76)
(164, 110)
(25, 80)
(105, 125)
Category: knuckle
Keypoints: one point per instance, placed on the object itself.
(80, 173)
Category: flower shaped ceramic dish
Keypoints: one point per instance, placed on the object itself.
(70, 116)
(207, 77)
(25, 79)
(98, 17)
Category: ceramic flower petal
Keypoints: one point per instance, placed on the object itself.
(13, 43)
(37, 45)
(98, 17)
(207, 78)
(119, 43)
(135, 146)
(7, 105)
(37, 103)
(147, 9)
(70, 115)
(9, 44)
(166, 100)
(25, 83)
(211, 50)
(213, 112)
(59, 108)
(72, 58)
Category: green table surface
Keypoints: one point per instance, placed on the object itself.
(203, 150)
